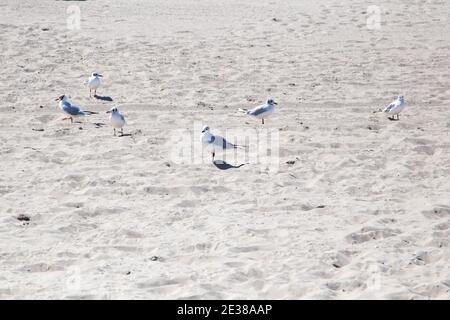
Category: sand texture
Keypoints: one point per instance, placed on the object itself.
(356, 207)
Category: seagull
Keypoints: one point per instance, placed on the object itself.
(395, 108)
(71, 109)
(262, 111)
(117, 119)
(214, 142)
(94, 83)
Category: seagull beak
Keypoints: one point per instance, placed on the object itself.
(57, 99)
(100, 76)
(109, 111)
(275, 103)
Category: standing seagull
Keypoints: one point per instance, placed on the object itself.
(213, 142)
(262, 111)
(70, 109)
(117, 119)
(395, 108)
(94, 83)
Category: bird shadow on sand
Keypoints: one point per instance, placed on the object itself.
(222, 165)
(103, 98)
(125, 135)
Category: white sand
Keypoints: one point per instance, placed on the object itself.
(101, 206)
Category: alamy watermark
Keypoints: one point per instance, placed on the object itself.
(256, 146)
(74, 18)
(373, 21)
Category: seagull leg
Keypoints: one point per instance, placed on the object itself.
(213, 155)
(71, 120)
(121, 132)
(114, 131)
(262, 120)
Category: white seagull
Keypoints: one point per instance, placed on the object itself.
(70, 109)
(94, 83)
(117, 119)
(262, 111)
(214, 142)
(395, 108)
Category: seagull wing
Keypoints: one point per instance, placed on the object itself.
(258, 110)
(71, 109)
(223, 143)
(390, 107)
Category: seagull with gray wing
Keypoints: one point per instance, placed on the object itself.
(94, 83)
(117, 119)
(261, 111)
(214, 142)
(394, 108)
(70, 109)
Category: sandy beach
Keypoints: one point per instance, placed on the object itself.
(351, 206)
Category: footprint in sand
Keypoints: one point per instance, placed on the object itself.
(371, 233)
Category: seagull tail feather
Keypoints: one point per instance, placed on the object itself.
(238, 146)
